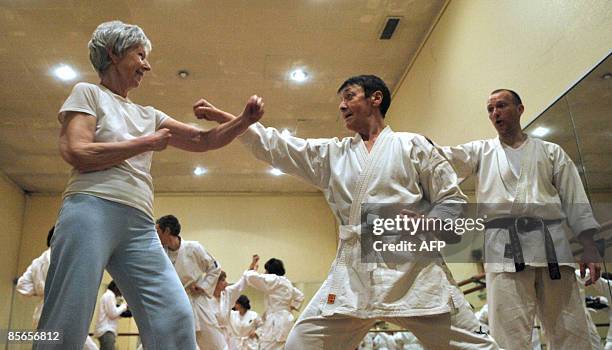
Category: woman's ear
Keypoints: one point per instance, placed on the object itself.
(114, 58)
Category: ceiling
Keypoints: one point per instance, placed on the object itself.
(231, 48)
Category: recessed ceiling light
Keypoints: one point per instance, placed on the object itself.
(198, 171)
(606, 76)
(276, 172)
(64, 72)
(183, 73)
(298, 75)
(540, 131)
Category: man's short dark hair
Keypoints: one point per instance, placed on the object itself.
(50, 235)
(275, 267)
(370, 84)
(170, 222)
(515, 96)
(244, 301)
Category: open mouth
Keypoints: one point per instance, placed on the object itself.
(348, 115)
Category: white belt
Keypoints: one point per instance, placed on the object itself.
(348, 232)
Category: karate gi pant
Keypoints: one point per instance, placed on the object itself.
(594, 336)
(92, 234)
(514, 298)
(454, 330)
(272, 345)
(211, 338)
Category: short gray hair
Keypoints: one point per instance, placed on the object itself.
(117, 36)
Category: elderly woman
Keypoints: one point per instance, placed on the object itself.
(106, 218)
(280, 299)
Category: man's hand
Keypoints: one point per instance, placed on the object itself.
(159, 140)
(203, 109)
(253, 111)
(193, 289)
(254, 262)
(592, 261)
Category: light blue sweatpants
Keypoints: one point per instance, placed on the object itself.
(92, 234)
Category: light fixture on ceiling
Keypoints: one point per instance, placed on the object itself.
(299, 75)
(64, 72)
(183, 74)
(606, 76)
(199, 171)
(540, 131)
(276, 172)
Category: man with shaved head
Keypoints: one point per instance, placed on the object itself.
(531, 194)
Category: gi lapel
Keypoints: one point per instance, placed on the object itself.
(348, 250)
(371, 164)
(523, 184)
(503, 167)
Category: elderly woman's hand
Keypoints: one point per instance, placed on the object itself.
(159, 140)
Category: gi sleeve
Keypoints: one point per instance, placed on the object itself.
(297, 298)
(208, 280)
(25, 284)
(438, 181)
(307, 159)
(109, 304)
(574, 200)
(32, 282)
(261, 282)
(464, 159)
(229, 297)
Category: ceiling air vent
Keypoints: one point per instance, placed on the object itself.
(390, 26)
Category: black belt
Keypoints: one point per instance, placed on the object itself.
(523, 224)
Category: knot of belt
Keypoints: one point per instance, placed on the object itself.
(515, 225)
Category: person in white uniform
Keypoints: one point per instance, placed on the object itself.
(604, 287)
(243, 325)
(407, 341)
(376, 165)
(224, 299)
(483, 317)
(534, 201)
(368, 342)
(32, 284)
(280, 299)
(106, 220)
(601, 288)
(385, 341)
(109, 313)
(198, 271)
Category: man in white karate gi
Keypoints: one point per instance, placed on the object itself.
(531, 194)
(376, 165)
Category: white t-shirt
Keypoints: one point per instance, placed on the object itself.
(515, 156)
(117, 119)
